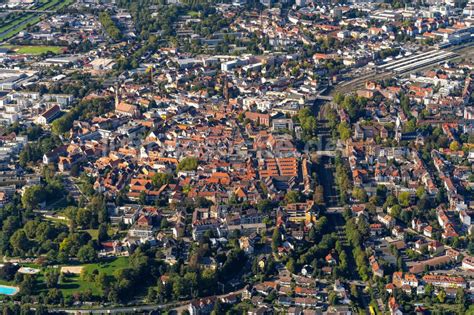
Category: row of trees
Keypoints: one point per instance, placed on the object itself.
(355, 233)
(308, 124)
(110, 27)
(343, 179)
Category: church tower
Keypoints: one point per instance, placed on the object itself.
(117, 98)
(226, 90)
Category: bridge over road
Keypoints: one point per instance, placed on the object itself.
(329, 153)
(324, 97)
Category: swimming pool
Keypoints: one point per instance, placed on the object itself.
(8, 290)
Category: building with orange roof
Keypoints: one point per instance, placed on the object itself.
(126, 109)
(445, 281)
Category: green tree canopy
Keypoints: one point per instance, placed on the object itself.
(188, 164)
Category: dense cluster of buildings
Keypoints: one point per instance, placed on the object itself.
(232, 131)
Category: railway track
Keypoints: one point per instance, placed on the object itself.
(464, 51)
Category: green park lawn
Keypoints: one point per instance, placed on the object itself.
(74, 283)
(94, 233)
(109, 267)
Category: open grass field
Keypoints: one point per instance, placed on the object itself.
(109, 267)
(94, 233)
(35, 50)
(74, 283)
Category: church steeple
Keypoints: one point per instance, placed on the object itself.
(226, 90)
(117, 99)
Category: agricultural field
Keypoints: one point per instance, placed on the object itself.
(19, 21)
